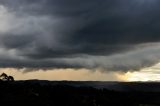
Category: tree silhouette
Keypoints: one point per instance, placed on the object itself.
(5, 77)
(10, 78)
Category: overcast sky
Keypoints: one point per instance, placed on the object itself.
(112, 35)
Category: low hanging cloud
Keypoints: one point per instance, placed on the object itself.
(109, 35)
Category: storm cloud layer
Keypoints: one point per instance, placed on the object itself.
(114, 35)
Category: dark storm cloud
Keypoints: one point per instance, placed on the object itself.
(79, 34)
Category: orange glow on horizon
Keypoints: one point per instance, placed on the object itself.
(63, 74)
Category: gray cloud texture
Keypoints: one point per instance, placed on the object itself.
(115, 35)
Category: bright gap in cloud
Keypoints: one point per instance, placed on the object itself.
(146, 74)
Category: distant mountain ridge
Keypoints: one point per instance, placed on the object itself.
(110, 85)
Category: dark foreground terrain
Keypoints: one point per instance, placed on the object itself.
(63, 93)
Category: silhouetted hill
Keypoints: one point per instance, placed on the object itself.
(79, 93)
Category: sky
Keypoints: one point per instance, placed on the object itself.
(80, 39)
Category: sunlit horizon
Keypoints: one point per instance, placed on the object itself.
(146, 74)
